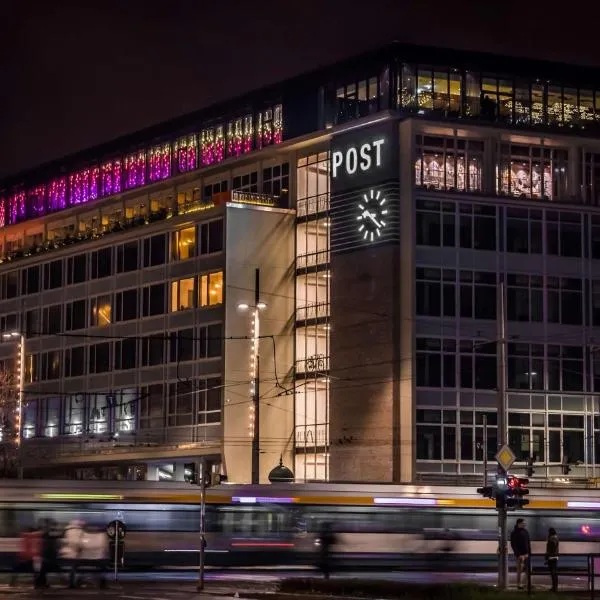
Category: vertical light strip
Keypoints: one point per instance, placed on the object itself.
(254, 334)
(20, 386)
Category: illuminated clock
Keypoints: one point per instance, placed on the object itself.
(372, 215)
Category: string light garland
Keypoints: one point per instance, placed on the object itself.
(239, 136)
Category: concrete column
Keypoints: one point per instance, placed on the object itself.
(152, 472)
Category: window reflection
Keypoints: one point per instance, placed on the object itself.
(182, 294)
(211, 289)
(532, 171)
(448, 163)
(101, 311)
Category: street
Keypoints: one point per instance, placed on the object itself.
(246, 583)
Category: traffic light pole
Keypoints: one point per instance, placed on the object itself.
(503, 434)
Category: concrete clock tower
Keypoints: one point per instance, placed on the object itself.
(365, 300)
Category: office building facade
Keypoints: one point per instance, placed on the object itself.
(384, 201)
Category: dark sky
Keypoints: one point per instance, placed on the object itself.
(74, 74)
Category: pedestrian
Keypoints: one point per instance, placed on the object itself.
(552, 557)
(49, 553)
(521, 547)
(327, 540)
(29, 551)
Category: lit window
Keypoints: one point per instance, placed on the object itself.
(182, 294)
(101, 311)
(211, 289)
(184, 244)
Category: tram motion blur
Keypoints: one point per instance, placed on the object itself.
(374, 525)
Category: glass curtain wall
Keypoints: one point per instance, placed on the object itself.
(312, 318)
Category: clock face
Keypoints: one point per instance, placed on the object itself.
(372, 215)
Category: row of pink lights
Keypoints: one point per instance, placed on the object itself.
(139, 168)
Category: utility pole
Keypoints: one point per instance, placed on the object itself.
(485, 450)
(202, 473)
(502, 431)
(256, 394)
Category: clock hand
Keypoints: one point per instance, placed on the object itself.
(377, 224)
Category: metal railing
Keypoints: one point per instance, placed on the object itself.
(312, 206)
(312, 260)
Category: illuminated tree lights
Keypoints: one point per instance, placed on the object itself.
(186, 153)
(239, 136)
(160, 162)
(83, 186)
(111, 178)
(36, 201)
(135, 169)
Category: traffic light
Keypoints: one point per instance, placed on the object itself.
(530, 469)
(502, 491)
(516, 492)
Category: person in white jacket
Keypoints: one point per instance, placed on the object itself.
(84, 547)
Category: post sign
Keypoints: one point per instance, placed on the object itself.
(364, 188)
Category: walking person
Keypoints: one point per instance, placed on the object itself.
(521, 547)
(29, 554)
(49, 553)
(552, 557)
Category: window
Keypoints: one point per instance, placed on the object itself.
(357, 99)
(565, 300)
(33, 325)
(9, 322)
(74, 413)
(525, 298)
(524, 231)
(182, 294)
(532, 171)
(436, 289)
(435, 223)
(246, 183)
(53, 275)
(592, 179)
(429, 442)
(76, 269)
(152, 407)
(184, 243)
(477, 227)
(125, 354)
(180, 406)
(75, 361)
(126, 305)
(98, 412)
(449, 163)
(128, 257)
(10, 285)
(153, 351)
(214, 188)
(155, 250)
(210, 403)
(100, 311)
(211, 289)
(125, 409)
(211, 237)
(525, 366)
(211, 341)
(50, 363)
(101, 263)
(182, 345)
(75, 315)
(564, 234)
(100, 359)
(477, 365)
(276, 181)
(30, 280)
(436, 362)
(52, 319)
(153, 300)
(477, 295)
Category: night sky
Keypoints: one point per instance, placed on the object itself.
(75, 74)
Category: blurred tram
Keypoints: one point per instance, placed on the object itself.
(277, 525)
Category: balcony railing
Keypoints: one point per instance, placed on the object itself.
(312, 260)
(312, 311)
(316, 363)
(313, 206)
(242, 197)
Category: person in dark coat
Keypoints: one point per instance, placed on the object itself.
(49, 554)
(521, 547)
(327, 540)
(552, 557)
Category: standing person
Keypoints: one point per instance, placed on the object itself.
(521, 547)
(327, 540)
(552, 557)
(29, 551)
(49, 552)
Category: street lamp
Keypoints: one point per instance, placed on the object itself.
(13, 336)
(255, 311)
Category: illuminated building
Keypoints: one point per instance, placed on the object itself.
(383, 199)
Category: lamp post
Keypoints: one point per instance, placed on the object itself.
(10, 336)
(255, 311)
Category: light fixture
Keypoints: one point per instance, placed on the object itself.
(243, 306)
(261, 305)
